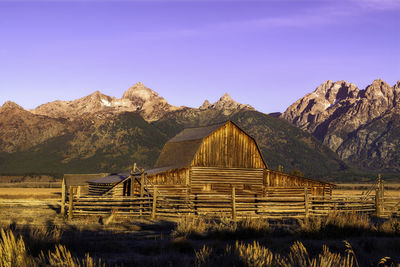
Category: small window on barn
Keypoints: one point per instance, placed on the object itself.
(207, 187)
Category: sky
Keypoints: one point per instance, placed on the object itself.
(264, 53)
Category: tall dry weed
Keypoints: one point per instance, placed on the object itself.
(13, 251)
(63, 257)
(255, 255)
(44, 233)
(247, 227)
(337, 224)
(191, 225)
(203, 255)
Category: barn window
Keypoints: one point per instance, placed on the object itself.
(207, 187)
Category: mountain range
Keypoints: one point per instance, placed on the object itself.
(336, 130)
(361, 126)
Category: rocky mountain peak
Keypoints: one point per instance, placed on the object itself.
(139, 91)
(335, 91)
(96, 97)
(227, 103)
(206, 104)
(337, 114)
(379, 89)
(227, 98)
(323, 88)
(9, 105)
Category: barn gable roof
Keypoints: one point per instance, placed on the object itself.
(180, 150)
(196, 133)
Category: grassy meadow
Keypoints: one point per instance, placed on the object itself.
(33, 233)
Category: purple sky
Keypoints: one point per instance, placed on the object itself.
(264, 53)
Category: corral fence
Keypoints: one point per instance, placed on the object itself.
(284, 202)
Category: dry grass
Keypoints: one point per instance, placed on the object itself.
(391, 189)
(14, 253)
(50, 241)
(196, 226)
(254, 254)
(336, 225)
(30, 193)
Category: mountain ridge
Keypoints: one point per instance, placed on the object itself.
(99, 133)
(339, 114)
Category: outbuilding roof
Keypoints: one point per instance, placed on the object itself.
(81, 179)
(111, 179)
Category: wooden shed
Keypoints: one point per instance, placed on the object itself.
(79, 182)
(113, 184)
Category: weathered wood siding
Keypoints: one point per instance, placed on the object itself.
(175, 177)
(116, 191)
(228, 147)
(99, 189)
(170, 190)
(282, 180)
(168, 182)
(209, 180)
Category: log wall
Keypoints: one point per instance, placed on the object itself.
(172, 177)
(209, 180)
(228, 147)
(99, 189)
(281, 180)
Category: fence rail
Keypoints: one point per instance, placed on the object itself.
(296, 204)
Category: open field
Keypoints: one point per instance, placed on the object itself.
(30, 193)
(34, 214)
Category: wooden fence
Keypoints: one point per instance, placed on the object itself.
(277, 203)
(391, 206)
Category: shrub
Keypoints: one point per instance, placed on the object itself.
(337, 225)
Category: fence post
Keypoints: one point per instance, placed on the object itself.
(63, 197)
(154, 211)
(233, 204)
(141, 193)
(132, 186)
(306, 203)
(382, 195)
(378, 203)
(71, 202)
(195, 204)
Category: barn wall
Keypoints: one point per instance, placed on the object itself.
(279, 179)
(169, 182)
(208, 180)
(228, 147)
(175, 176)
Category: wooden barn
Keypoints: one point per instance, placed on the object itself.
(209, 160)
